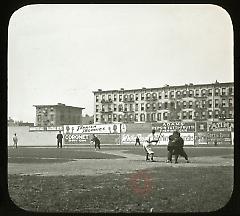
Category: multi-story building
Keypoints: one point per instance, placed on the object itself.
(201, 102)
(56, 115)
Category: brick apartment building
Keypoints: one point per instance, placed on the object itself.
(56, 115)
(201, 102)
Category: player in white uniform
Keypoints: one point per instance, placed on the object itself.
(151, 140)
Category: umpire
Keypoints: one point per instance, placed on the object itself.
(170, 148)
(178, 147)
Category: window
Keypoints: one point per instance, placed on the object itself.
(165, 116)
(148, 106)
(197, 104)
(154, 96)
(109, 97)
(142, 96)
(223, 91)
(178, 94)
(210, 114)
(159, 95)
(216, 103)
(120, 118)
(114, 117)
(125, 97)
(203, 103)
(171, 94)
(184, 115)
(131, 107)
(153, 117)
(165, 94)
(120, 108)
(178, 105)
(209, 92)
(197, 92)
(196, 115)
(51, 117)
(136, 107)
(131, 117)
(230, 114)
(97, 118)
(142, 117)
(216, 114)
(190, 115)
(125, 107)
(115, 107)
(148, 96)
(159, 116)
(97, 108)
(210, 103)
(165, 105)
(97, 98)
(216, 92)
(203, 114)
(230, 102)
(136, 117)
(103, 97)
(39, 118)
(184, 104)
(120, 98)
(203, 92)
(159, 105)
(103, 108)
(110, 117)
(142, 106)
(190, 93)
(131, 97)
(172, 105)
(230, 90)
(109, 108)
(136, 97)
(114, 97)
(190, 104)
(184, 93)
(223, 102)
(153, 106)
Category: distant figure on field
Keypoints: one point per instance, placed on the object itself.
(96, 142)
(15, 140)
(178, 147)
(215, 142)
(59, 140)
(137, 141)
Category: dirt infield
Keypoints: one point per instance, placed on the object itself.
(130, 163)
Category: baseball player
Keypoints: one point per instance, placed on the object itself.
(151, 140)
(96, 142)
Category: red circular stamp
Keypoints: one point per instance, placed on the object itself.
(141, 183)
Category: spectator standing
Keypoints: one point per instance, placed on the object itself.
(15, 140)
(137, 141)
(59, 140)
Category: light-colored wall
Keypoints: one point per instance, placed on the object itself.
(26, 138)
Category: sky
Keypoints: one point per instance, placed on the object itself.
(62, 53)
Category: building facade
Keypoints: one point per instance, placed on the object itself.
(204, 102)
(57, 115)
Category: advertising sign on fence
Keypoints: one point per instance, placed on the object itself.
(48, 128)
(90, 129)
(221, 126)
(76, 138)
(201, 138)
(172, 126)
(163, 140)
(222, 137)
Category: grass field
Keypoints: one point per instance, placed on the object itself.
(124, 183)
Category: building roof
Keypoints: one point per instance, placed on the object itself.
(58, 105)
(166, 86)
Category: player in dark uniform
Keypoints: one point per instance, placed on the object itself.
(137, 141)
(170, 148)
(178, 147)
(96, 142)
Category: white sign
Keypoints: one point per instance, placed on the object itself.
(79, 129)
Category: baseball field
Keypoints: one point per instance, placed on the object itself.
(118, 179)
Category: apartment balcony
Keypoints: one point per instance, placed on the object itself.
(106, 101)
(106, 111)
(128, 100)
